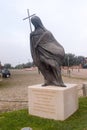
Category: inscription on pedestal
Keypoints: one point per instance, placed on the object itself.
(44, 101)
(53, 102)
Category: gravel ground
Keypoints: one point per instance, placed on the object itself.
(13, 91)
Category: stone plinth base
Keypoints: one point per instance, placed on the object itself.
(53, 102)
(85, 89)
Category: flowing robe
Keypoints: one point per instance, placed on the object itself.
(47, 55)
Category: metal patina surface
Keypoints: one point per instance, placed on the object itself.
(47, 53)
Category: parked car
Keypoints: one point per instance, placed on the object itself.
(6, 73)
(85, 66)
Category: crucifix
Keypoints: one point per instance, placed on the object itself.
(29, 16)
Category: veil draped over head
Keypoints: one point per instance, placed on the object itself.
(37, 22)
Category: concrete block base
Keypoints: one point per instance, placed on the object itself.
(53, 102)
(85, 89)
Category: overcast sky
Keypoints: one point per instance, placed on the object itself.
(66, 19)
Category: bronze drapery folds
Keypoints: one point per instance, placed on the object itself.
(47, 53)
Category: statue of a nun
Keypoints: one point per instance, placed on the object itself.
(47, 53)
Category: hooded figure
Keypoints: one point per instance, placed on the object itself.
(47, 53)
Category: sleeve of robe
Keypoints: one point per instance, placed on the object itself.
(49, 48)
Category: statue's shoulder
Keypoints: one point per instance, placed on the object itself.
(32, 33)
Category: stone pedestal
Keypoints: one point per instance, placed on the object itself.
(85, 89)
(53, 102)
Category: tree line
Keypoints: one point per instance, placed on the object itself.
(72, 60)
(69, 60)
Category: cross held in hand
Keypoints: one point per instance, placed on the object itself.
(29, 16)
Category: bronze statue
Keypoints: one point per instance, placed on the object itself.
(47, 53)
